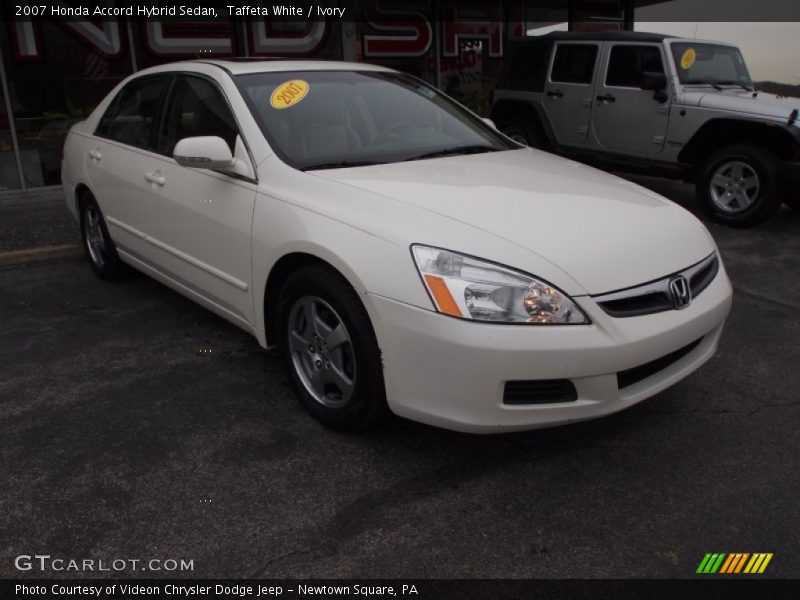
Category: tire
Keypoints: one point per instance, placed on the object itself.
(739, 185)
(525, 133)
(100, 251)
(318, 370)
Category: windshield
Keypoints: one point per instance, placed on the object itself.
(329, 119)
(710, 64)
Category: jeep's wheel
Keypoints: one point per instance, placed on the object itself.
(524, 133)
(329, 350)
(739, 185)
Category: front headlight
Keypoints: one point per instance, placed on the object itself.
(469, 288)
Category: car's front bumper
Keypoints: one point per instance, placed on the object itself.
(452, 373)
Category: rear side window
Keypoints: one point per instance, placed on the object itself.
(574, 63)
(627, 63)
(528, 68)
(131, 116)
(196, 108)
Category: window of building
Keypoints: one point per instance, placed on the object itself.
(131, 116)
(197, 108)
(574, 63)
(627, 64)
(9, 173)
(56, 75)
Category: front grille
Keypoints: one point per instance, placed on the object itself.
(702, 278)
(642, 372)
(655, 297)
(635, 306)
(539, 391)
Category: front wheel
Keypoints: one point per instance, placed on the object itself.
(329, 350)
(524, 133)
(739, 185)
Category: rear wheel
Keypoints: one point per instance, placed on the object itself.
(97, 245)
(329, 350)
(739, 185)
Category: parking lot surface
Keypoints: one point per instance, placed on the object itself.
(137, 425)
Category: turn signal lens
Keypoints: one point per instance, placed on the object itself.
(444, 300)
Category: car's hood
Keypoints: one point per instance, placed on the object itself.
(605, 232)
(767, 105)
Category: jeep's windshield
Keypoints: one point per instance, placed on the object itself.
(336, 119)
(710, 64)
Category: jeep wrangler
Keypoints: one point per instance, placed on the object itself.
(658, 105)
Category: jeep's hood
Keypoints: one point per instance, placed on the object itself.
(767, 105)
(607, 233)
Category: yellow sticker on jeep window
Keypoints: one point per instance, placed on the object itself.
(688, 58)
(288, 93)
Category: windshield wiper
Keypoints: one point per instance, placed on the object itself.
(749, 89)
(701, 82)
(454, 151)
(342, 164)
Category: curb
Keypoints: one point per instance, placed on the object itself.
(18, 257)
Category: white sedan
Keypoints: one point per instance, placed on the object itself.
(403, 255)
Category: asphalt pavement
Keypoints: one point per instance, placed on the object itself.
(137, 425)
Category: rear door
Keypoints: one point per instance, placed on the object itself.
(568, 93)
(627, 118)
(119, 156)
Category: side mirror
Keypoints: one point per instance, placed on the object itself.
(489, 122)
(203, 152)
(656, 82)
(653, 81)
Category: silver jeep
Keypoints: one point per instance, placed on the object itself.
(659, 105)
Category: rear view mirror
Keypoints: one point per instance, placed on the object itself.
(203, 152)
(654, 81)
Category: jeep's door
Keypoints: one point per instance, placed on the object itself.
(568, 93)
(627, 118)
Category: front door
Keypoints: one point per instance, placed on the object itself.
(568, 94)
(627, 118)
(201, 230)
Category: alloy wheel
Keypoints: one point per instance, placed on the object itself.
(322, 351)
(734, 186)
(95, 241)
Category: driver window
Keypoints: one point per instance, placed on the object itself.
(197, 108)
(626, 65)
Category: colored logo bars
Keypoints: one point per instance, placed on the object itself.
(737, 562)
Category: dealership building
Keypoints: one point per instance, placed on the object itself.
(55, 70)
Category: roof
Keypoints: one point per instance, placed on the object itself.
(600, 36)
(239, 66)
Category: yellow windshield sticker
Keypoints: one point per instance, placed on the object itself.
(288, 93)
(688, 58)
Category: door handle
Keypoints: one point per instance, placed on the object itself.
(95, 154)
(555, 93)
(156, 178)
(606, 98)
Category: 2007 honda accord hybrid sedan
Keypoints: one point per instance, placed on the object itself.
(403, 255)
